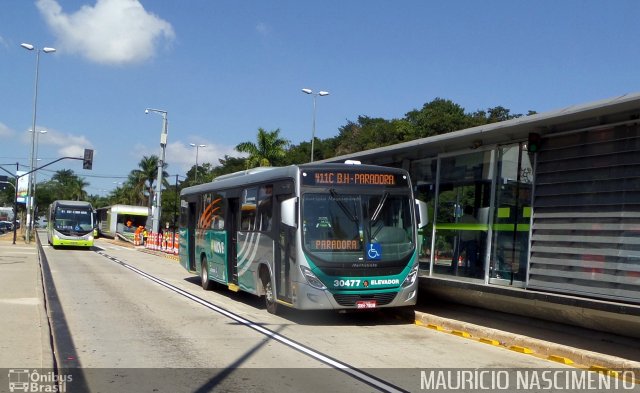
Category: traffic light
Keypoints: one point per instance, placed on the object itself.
(533, 144)
(87, 162)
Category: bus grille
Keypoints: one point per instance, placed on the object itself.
(350, 300)
(359, 272)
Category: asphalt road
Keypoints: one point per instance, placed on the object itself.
(120, 330)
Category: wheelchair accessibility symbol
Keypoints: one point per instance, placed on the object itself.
(374, 251)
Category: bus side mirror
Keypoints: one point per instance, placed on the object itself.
(422, 213)
(288, 210)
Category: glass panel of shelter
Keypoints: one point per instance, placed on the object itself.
(512, 216)
(460, 240)
(480, 211)
(424, 173)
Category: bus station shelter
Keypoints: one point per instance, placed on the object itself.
(538, 215)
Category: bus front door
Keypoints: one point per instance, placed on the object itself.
(284, 255)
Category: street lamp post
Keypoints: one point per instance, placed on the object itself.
(33, 135)
(197, 147)
(321, 93)
(32, 201)
(156, 211)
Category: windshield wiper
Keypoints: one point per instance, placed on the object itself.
(343, 207)
(376, 213)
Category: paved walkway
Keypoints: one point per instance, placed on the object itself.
(24, 342)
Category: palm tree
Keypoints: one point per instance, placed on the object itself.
(76, 189)
(269, 149)
(135, 188)
(64, 176)
(143, 178)
(68, 185)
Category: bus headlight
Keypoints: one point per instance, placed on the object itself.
(411, 277)
(312, 279)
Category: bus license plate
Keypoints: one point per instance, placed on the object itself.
(361, 304)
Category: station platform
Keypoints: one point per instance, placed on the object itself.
(586, 332)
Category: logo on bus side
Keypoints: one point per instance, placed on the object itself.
(218, 247)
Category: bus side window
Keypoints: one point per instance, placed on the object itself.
(248, 209)
(265, 207)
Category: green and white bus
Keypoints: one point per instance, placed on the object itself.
(112, 220)
(70, 224)
(312, 236)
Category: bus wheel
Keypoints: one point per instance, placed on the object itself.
(269, 296)
(207, 285)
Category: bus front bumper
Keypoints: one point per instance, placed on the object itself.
(310, 298)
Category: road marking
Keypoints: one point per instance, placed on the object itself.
(326, 359)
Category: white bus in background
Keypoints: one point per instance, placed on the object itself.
(6, 213)
(113, 219)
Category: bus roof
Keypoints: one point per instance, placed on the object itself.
(262, 174)
(127, 209)
(72, 203)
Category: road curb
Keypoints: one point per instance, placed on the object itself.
(43, 314)
(527, 345)
(173, 257)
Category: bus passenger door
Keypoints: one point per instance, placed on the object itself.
(191, 236)
(232, 248)
(284, 253)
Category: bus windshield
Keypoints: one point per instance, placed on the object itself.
(357, 227)
(73, 220)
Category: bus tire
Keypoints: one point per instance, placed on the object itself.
(207, 285)
(269, 296)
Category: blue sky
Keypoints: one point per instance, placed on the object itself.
(222, 69)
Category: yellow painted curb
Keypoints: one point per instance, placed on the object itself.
(489, 341)
(604, 370)
(418, 323)
(461, 333)
(435, 327)
(520, 349)
(560, 359)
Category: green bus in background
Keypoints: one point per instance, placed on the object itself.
(70, 223)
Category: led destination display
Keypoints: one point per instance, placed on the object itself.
(343, 178)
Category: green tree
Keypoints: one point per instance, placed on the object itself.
(67, 185)
(269, 150)
(7, 191)
(437, 117)
(143, 178)
(204, 174)
(229, 165)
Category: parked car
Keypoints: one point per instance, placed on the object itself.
(6, 226)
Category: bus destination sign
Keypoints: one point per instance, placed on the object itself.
(355, 178)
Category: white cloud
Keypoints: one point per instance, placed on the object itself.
(5, 131)
(111, 32)
(181, 157)
(67, 145)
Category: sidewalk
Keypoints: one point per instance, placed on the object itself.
(24, 323)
